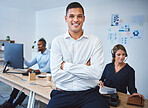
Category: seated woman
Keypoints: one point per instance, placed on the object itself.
(118, 74)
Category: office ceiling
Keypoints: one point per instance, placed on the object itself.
(37, 5)
(34, 5)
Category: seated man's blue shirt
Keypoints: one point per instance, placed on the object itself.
(43, 61)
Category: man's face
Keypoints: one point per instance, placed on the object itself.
(75, 19)
(41, 46)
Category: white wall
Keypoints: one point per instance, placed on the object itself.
(50, 23)
(19, 25)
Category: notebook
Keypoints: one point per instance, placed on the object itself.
(136, 100)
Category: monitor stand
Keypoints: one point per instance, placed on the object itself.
(6, 64)
(6, 71)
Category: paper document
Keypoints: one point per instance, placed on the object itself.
(107, 90)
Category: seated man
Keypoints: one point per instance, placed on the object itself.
(43, 61)
(42, 58)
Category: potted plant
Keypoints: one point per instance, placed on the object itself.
(34, 47)
(2, 46)
(34, 44)
(8, 38)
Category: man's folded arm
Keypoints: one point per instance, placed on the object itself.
(93, 71)
(58, 74)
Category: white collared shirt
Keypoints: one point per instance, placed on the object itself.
(76, 75)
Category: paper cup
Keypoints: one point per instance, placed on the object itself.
(49, 77)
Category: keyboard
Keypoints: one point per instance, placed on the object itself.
(24, 70)
(20, 71)
(25, 74)
(14, 72)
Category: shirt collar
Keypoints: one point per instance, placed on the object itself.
(45, 52)
(66, 36)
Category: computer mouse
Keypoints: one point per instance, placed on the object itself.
(25, 74)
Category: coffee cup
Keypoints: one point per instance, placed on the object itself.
(49, 77)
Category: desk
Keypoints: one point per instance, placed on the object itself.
(123, 103)
(42, 93)
(42, 89)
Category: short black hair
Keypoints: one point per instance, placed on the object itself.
(43, 40)
(74, 5)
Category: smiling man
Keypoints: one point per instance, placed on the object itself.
(76, 65)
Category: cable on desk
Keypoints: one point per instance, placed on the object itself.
(15, 76)
(43, 85)
(46, 86)
(18, 77)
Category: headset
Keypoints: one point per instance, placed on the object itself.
(113, 53)
(44, 42)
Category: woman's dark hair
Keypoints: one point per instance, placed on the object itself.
(74, 5)
(115, 49)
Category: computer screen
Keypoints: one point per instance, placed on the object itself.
(13, 55)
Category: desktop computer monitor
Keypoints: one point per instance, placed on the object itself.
(13, 55)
